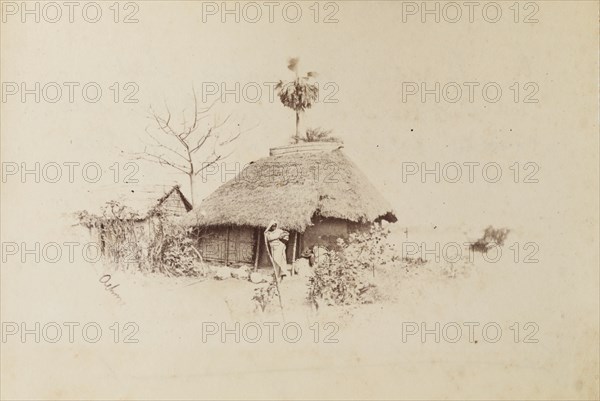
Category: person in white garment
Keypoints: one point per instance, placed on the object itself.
(277, 240)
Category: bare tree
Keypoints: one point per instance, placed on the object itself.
(193, 147)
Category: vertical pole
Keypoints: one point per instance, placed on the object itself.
(227, 247)
(257, 249)
(295, 235)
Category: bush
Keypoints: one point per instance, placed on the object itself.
(491, 236)
(172, 252)
(263, 295)
(153, 244)
(118, 234)
(344, 276)
(337, 281)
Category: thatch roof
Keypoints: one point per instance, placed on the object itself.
(292, 187)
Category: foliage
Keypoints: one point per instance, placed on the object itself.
(368, 268)
(173, 253)
(344, 277)
(492, 236)
(263, 295)
(299, 94)
(337, 281)
(112, 210)
(152, 244)
(370, 249)
(410, 264)
(319, 135)
(85, 218)
(118, 234)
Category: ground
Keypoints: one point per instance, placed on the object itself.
(353, 352)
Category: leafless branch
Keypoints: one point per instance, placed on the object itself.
(189, 139)
(159, 144)
(159, 159)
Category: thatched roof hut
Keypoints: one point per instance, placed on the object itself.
(311, 189)
(292, 186)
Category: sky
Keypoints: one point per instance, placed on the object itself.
(365, 61)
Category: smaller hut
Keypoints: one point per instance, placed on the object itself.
(129, 220)
(146, 201)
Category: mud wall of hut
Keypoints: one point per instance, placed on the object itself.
(236, 245)
(325, 232)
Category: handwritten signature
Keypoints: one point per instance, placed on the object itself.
(111, 287)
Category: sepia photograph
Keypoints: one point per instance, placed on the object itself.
(300, 200)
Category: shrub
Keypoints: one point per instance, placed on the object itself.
(172, 251)
(118, 234)
(336, 281)
(490, 237)
(263, 295)
(151, 245)
(344, 276)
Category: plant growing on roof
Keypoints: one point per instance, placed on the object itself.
(320, 135)
(299, 94)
